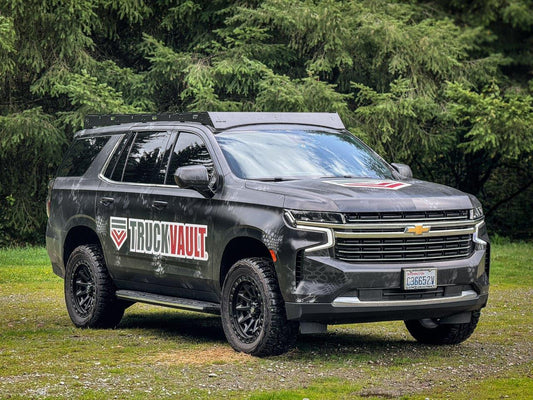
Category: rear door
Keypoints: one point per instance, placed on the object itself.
(72, 201)
(124, 206)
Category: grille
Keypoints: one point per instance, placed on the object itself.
(298, 267)
(398, 295)
(381, 236)
(403, 236)
(404, 216)
(404, 249)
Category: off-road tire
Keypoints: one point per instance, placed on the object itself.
(431, 332)
(251, 292)
(89, 290)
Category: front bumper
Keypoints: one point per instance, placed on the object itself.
(333, 291)
(351, 309)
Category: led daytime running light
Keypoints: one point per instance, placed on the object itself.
(317, 216)
(476, 213)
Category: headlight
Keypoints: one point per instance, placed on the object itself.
(314, 216)
(304, 220)
(476, 213)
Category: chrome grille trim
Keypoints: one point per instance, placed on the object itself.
(386, 225)
(448, 232)
(398, 242)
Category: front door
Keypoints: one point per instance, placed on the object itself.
(187, 218)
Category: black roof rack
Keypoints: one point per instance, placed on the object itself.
(94, 121)
(221, 120)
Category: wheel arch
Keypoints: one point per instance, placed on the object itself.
(79, 235)
(239, 247)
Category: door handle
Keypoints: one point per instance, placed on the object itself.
(159, 205)
(106, 201)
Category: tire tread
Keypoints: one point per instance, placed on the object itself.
(282, 333)
(108, 309)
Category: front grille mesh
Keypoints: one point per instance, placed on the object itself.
(399, 294)
(404, 249)
(298, 267)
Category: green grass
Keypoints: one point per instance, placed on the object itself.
(512, 264)
(519, 387)
(163, 353)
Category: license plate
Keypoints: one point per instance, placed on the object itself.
(419, 279)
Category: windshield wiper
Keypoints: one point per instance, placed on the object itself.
(337, 176)
(274, 179)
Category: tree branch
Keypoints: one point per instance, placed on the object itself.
(488, 172)
(509, 198)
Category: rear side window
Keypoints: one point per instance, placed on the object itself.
(115, 168)
(80, 155)
(141, 162)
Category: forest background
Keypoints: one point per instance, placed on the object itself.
(445, 86)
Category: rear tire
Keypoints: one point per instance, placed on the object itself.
(253, 310)
(89, 290)
(430, 331)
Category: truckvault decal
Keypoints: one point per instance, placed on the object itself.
(373, 184)
(172, 239)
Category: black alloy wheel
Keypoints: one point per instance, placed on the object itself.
(247, 309)
(84, 290)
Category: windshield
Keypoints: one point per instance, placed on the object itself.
(278, 154)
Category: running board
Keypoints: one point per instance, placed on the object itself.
(169, 301)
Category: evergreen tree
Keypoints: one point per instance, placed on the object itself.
(441, 85)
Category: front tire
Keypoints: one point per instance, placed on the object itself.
(430, 331)
(89, 290)
(253, 310)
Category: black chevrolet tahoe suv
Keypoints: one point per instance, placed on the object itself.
(279, 222)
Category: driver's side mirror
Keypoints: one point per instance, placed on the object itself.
(194, 177)
(403, 169)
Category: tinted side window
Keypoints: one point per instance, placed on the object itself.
(115, 167)
(144, 159)
(80, 155)
(189, 150)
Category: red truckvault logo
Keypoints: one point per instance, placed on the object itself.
(391, 185)
(119, 231)
(170, 239)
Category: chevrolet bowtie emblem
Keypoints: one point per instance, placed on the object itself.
(417, 229)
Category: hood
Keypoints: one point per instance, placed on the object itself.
(366, 195)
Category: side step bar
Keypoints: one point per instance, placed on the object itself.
(169, 301)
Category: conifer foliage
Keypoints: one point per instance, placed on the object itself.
(443, 86)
